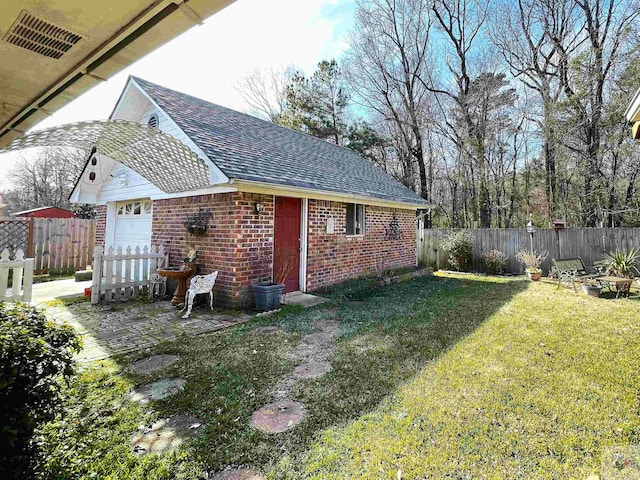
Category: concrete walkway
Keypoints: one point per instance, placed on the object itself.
(47, 291)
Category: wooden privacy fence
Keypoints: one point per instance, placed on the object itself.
(588, 243)
(61, 244)
(56, 244)
(119, 275)
(21, 271)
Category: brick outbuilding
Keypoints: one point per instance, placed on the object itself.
(278, 201)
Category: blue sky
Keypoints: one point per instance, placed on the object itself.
(208, 60)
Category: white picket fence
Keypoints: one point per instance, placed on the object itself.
(22, 277)
(119, 275)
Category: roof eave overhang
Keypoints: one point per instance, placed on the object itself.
(107, 60)
(250, 186)
(633, 110)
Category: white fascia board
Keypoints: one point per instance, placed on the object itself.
(216, 176)
(161, 196)
(252, 186)
(633, 110)
(123, 95)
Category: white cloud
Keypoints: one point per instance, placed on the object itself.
(208, 60)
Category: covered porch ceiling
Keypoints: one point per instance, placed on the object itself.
(52, 51)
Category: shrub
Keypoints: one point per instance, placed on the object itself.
(459, 246)
(35, 355)
(495, 261)
(622, 263)
(531, 260)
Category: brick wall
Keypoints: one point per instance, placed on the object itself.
(237, 243)
(336, 257)
(101, 224)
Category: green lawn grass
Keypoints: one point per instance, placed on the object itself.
(537, 391)
(445, 377)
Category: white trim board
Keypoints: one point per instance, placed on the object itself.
(304, 243)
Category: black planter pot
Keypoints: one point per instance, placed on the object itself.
(267, 295)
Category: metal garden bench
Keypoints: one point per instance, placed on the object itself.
(572, 270)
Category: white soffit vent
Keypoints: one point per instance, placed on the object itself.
(40, 36)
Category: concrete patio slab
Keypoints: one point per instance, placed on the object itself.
(304, 299)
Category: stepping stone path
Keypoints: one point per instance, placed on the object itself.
(268, 329)
(157, 390)
(278, 416)
(314, 353)
(237, 474)
(165, 435)
(311, 370)
(330, 309)
(153, 363)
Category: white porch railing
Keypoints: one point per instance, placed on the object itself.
(22, 278)
(119, 275)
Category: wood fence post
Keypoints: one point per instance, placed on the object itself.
(97, 274)
(31, 247)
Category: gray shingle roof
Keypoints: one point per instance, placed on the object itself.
(248, 148)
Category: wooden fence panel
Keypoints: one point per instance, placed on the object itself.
(61, 244)
(119, 275)
(587, 243)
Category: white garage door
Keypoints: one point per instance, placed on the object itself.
(133, 224)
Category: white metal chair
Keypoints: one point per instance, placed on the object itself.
(199, 284)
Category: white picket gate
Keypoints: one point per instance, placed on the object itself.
(22, 277)
(119, 275)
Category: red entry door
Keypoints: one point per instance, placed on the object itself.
(286, 251)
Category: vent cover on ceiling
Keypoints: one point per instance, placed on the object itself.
(40, 36)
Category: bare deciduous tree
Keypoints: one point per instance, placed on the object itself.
(265, 91)
(389, 55)
(45, 180)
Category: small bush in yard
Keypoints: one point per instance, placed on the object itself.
(459, 246)
(495, 261)
(36, 355)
